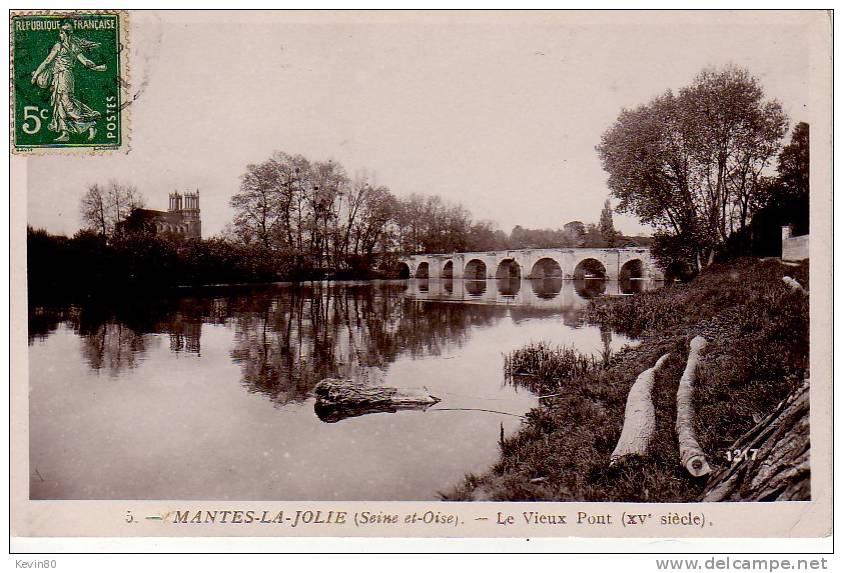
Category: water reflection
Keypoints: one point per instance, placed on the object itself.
(222, 381)
(540, 293)
(526, 298)
(286, 339)
(332, 414)
(473, 288)
(589, 287)
(107, 344)
(287, 342)
(546, 289)
(509, 287)
(633, 286)
(113, 347)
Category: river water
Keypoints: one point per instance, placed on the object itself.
(209, 395)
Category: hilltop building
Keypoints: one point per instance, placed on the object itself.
(182, 218)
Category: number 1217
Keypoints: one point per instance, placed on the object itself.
(741, 455)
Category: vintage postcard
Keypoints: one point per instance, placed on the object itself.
(414, 274)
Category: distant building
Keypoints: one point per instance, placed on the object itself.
(181, 219)
(794, 248)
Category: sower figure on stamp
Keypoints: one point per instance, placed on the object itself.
(56, 71)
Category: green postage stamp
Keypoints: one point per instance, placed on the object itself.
(68, 80)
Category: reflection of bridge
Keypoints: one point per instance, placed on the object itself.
(573, 263)
(553, 293)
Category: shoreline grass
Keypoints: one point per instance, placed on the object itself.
(542, 368)
(758, 352)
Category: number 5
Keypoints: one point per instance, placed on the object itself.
(36, 126)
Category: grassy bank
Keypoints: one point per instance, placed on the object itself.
(758, 352)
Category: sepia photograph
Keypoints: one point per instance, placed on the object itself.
(413, 256)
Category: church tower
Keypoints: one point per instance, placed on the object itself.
(175, 202)
(181, 219)
(190, 214)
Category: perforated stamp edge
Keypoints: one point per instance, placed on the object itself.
(124, 77)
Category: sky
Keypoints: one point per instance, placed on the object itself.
(500, 112)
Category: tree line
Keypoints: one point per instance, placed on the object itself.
(294, 219)
(699, 167)
(61, 268)
(314, 215)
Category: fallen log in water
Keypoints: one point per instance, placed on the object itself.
(639, 416)
(337, 399)
(690, 452)
(771, 462)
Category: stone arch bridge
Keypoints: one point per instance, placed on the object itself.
(568, 263)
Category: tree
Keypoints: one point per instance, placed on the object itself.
(693, 164)
(93, 209)
(427, 224)
(409, 220)
(312, 215)
(575, 228)
(269, 207)
(329, 184)
(593, 238)
(103, 208)
(574, 233)
(794, 163)
(370, 209)
(785, 201)
(607, 226)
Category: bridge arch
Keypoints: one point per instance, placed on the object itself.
(448, 270)
(508, 269)
(589, 268)
(632, 269)
(423, 270)
(403, 270)
(475, 269)
(545, 268)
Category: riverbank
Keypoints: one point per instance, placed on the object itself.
(758, 353)
(87, 267)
